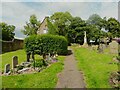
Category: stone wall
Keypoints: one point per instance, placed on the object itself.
(8, 46)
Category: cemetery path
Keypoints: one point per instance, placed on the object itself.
(70, 77)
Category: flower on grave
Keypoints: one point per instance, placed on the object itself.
(118, 40)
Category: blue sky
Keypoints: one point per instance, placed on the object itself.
(17, 12)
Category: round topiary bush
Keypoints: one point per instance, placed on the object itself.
(44, 44)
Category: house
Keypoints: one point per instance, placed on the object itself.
(43, 29)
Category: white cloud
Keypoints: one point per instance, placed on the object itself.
(85, 9)
(60, 0)
(17, 13)
(109, 10)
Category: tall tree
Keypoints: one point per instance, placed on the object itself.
(95, 33)
(97, 26)
(75, 31)
(31, 28)
(7, 31)
(95, 19)
(113, 27)
(61, 20)
(51, 28)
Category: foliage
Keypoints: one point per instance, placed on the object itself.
(63, 23)
(73, 27)
(97, 28)
(76, 30)
(113, 27)
(95, 34)
(45, 79)
(39, 63)
(61, 20)
(44, 44)
(51, 28)
(95, 19)
(92, 27)
(95, 67)
(32, 27)
(7, 31)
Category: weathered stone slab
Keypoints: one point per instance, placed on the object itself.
(113, 47)
(14, 62)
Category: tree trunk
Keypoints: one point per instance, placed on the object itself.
(28, 57)
(44, 56)
(33, 56)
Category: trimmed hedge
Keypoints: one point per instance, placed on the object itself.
(44, 44)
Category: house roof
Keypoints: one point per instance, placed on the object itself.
(44, 20)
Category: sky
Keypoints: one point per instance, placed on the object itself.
(17, 12)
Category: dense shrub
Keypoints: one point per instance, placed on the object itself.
(38, 63)
(44, 44)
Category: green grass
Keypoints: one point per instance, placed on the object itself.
(45, 79)
(7, 57)
(95, 67)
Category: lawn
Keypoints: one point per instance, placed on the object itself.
(95, 66)
(7, 57)
(45, 79)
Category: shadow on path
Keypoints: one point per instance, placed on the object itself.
(69, 52)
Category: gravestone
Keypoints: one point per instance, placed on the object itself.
(14, 62)
(7, 68)
(113, 47)
(104, 46)
(48, 57)
(100, 48)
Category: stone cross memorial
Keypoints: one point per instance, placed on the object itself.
(7, 68)
(85, 40)
(14, 61)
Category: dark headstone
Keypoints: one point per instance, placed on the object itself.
(7, 68)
